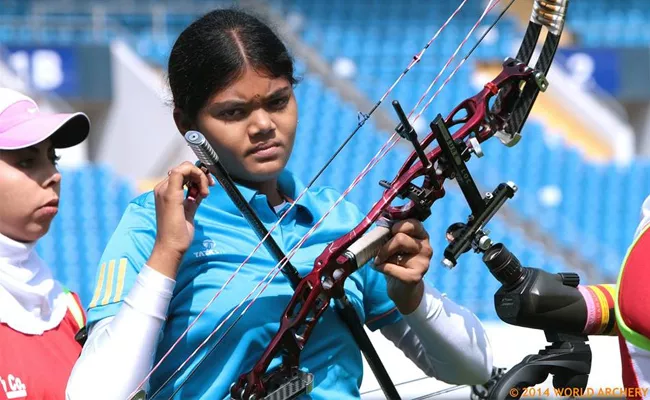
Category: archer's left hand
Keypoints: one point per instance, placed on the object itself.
(404, 260)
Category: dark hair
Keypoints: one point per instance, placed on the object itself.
(216, 49)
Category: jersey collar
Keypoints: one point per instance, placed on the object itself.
(290, 186)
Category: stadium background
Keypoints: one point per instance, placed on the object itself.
(581, 167)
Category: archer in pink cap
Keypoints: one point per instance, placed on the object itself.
(38, 315)
(29, 178)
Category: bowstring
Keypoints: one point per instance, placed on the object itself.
(487, 10)
(416, 59)
(373, 162)
(426, 396)
(366, 116)
(505, 9)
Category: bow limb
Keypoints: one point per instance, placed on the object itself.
(552, 15)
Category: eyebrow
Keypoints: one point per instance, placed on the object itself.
(34, 149)
(231, 103)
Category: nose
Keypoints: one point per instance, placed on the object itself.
(52, 178)
(261, 123)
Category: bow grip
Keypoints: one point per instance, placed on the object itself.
(367, 247)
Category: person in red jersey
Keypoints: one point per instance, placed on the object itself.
(39, 317)
(633, 311)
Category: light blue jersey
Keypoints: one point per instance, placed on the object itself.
(222, 241)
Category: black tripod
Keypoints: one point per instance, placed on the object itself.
(568, 359)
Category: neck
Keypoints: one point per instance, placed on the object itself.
(13, 249)
(14, 238)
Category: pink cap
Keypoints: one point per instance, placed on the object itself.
(22, 124)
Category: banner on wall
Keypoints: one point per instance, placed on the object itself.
(74, 73)
(590, 67)
(619, 72)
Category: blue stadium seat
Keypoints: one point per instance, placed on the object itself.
(93, 200)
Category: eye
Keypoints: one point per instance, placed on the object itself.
(232, 113)
(279, 104)
(26, 163)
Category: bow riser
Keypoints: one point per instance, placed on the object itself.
(311, 299)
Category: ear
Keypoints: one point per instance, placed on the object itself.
(182, 122)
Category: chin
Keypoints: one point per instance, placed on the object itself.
(266, 171)
(35, 231)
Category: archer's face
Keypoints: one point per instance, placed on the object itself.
(252, 126)
(29, 191)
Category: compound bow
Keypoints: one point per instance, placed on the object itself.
(516, 89)
(513, 93)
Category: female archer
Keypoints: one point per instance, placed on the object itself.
(39, 317)
(232, 79)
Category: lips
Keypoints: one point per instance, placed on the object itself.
(263, 148)
(48, 210)
(51, 203)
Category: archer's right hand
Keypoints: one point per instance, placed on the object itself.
(175, 216)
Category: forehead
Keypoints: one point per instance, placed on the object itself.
(250, 85)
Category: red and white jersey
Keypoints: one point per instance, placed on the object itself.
(38, 366)
(634, 308)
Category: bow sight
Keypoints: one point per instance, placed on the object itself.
(451, 164)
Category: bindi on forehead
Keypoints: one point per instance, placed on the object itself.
(254, 86)
(256, 99)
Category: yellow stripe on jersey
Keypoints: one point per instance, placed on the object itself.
(98, 286)
(109, 282)
(121, 272)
